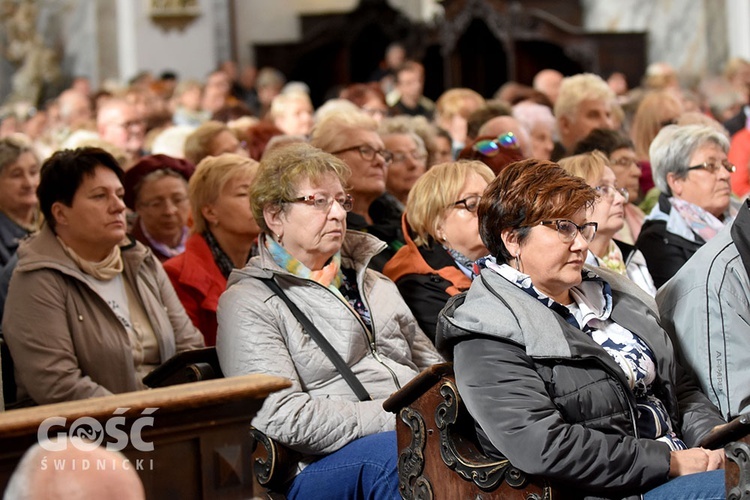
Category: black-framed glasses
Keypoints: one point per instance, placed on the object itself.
(367, 152)
(714, 166)
(492, 147)
(414, 154)
(470, 203)
(609, 192)
(323, 203)
(568, 230)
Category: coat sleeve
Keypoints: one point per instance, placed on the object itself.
(189, 300)
(423, 351)
(509, 401)
(44, 358)
(663, 260)
(186, 335)
(710, 328)
(425, 298)
(251, 339)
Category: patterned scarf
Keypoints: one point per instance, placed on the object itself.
(470, 267)
(222, 260)
(163, 248)
(613, 259)
(330, 276)
(704, 224)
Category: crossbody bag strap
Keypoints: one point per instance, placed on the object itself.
(322, 342)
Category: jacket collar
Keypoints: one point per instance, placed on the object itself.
(411, 259)
(741, 234)
(356, 252)
(43, 251)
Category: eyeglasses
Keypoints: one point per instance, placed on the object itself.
(568, 230)
(492, 147)
(368, 152)
(609, 192)
(323, 203)
(161, 203)
(470, 203)
(415, 155)
(625, 161)
(714, 166)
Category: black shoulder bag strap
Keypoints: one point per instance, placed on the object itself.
(319, 339)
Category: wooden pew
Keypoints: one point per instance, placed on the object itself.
(439, 457)
(201, 434)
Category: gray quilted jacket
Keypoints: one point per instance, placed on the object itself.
(319, 413)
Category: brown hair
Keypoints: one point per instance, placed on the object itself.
(523, 195)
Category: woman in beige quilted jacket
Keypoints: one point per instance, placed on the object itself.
(349, 447)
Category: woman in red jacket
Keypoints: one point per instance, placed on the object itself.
(223, 234)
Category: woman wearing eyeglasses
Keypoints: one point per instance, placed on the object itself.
(619, 149)
(567, 372)
(156, 190)
(693, 174)
(349, 447)
(353, 137)
(609, 214)
(442, 239)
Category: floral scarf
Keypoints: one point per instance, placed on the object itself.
(703, 223)
(613, 259)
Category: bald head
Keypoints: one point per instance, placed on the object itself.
(502, 125)
(548, 83)
(74, 473)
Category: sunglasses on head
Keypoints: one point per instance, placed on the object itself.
(491, 147)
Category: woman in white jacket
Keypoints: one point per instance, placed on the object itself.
(609, 213)
(299, 201)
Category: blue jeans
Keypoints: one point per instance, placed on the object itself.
(364, 469)
(700, 486)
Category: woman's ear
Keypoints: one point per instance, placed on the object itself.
(59, 213)
(676, 184)
(510, 240)
(209, 214)
(274, 217)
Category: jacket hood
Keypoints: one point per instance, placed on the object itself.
(43, 251)
(519, 318)
(357, 250)
(410, 259)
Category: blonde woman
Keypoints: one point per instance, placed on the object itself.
(609, 214)
(221, 239)
(442, 238)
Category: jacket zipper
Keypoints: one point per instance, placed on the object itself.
(369, 334)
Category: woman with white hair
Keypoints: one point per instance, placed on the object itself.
(691, 170)
(539, 122)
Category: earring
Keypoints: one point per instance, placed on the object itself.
(278, 239)
(517, 262)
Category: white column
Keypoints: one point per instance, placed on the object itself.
(738, 24)
(127, 48)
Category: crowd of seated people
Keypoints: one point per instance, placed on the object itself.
(168, 215)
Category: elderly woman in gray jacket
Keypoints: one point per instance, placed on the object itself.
(299, 200)
(566, 371)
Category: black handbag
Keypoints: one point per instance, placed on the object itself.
(319, 339)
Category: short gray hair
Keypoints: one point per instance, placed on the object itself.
(674, 145)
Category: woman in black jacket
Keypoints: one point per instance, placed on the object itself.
(566, 372)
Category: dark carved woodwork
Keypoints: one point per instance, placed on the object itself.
(480, 44)
(274, 465)
(738, 468)
(438, 454)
